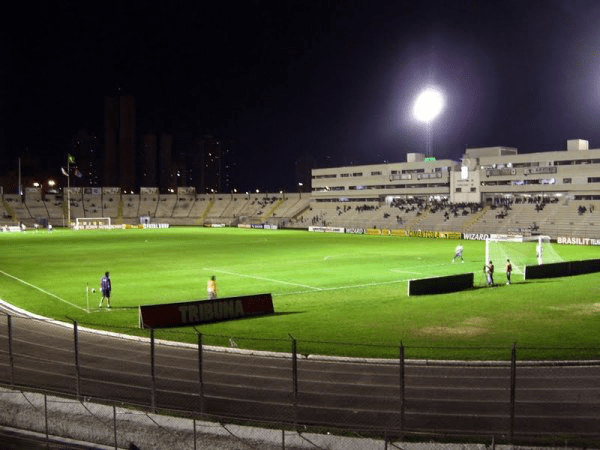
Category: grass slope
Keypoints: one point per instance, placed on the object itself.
(327, 289)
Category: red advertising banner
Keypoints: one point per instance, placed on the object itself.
(204, 311)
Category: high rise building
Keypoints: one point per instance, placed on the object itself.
(208, 164)
(85, 146)
(119, 142)
(148, 156)
(166, 169)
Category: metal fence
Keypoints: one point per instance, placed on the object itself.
(294, 393)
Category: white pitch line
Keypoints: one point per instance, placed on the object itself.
(339, 288)
(262, 278)
(42, 290)
(405, 271)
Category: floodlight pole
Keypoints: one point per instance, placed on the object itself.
(68, 193)
(429, 138)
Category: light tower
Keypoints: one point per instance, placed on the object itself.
(428, 106)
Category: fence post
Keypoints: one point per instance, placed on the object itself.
(46, 426)
(115, 427)
(11, 358)
(76, 349)
(201, 372)
(513, 383)
(294, 368)
(152, 372)
(402, 380)
(194, 434)
(295, 377)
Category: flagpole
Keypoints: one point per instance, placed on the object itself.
(68, 192)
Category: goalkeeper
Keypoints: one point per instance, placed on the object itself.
(458, 253)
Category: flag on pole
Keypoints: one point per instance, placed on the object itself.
(71, 159)
(64, 172)
(77, 173)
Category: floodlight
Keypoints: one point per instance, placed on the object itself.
(428, 105)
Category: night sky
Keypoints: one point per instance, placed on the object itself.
(333, 80)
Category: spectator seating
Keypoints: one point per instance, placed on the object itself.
(148, 205)
(131, 206)
(55, 207)
(110, 205)
(522, 216)
(184, 205)
(15, 203)
(166, 204)
(92, 204)
(6, 214)
(36, 207)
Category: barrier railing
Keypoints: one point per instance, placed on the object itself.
(387, 400)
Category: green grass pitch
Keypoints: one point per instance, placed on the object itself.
(336, 294)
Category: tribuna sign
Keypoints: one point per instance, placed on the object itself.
(204, 311)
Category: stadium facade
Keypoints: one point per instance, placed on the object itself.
(485, 175)
(491, 190)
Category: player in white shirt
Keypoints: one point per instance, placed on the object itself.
(458, 253)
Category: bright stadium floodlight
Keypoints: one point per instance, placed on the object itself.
(428, 106)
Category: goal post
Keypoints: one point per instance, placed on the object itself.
(521, 250)
(87, 223)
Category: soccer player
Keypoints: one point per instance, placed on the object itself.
(105, 287)
(508, 268)
(211, 287)
(458, 253)
(489, 270)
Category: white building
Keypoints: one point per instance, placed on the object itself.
(485, 175)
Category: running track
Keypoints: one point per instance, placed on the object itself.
(552, 403)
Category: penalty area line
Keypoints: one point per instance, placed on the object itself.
(339, 288)
(43, 291)
(262, 278)
(405, 271)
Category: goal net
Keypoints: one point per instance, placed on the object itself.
(87, 223)
(521, 250)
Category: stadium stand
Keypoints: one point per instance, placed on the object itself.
(17, 209)
(258, 207)
(200, 208)
(131, 204)
(219, 205)
(235, 206)
(35, 206)
(110, 205)
(54, 206)
(6, 214)
(576, 218)
(92, 204)
(526, 215)
(289, 206)
(184, 205)
(148, 205)
(166, 204)
(77, 209)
